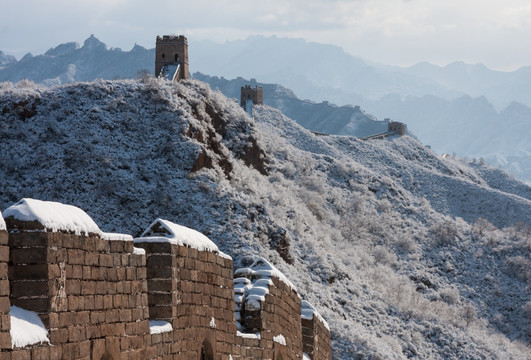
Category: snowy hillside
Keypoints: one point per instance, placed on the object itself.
(404, 253)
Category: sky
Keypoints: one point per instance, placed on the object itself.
(391, 32)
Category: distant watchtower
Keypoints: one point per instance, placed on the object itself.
(397, 127)
(171, 55)
(254, 94)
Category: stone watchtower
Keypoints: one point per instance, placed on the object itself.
(397, 127)
(254, 94)
(172, 52)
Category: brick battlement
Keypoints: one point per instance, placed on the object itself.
(172, 50)
(105, 296)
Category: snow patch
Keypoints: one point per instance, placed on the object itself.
(248, 335)
(116, 237)
(223, 255)
(262, 269)
(165, 231)
(2, 222)
(26, 328)
(159, 326)
(280, 339)
(308, 312)
(139, 251)
(53, 215)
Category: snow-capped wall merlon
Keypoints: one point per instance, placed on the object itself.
(166, 231)
(53, 216)
(308, 312)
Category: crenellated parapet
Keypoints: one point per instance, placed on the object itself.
(189, 286)
(87, 294)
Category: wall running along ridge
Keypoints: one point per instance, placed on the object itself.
(107, 296)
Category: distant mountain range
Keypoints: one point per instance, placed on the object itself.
(468, 110)
(326, 72)
(321, 117)
(69, 62)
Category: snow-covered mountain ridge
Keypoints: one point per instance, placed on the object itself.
(405, 254)
(431, 100)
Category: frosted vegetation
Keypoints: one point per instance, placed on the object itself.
(404, 253)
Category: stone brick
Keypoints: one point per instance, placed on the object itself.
(4, 253)
(39, 305)
(92, 259)
(3, 237)
(5, 340)
(58, 336)
(76, 333)
(106, 260)
(21, 355)
(117, 246)
(117, 260)
(32, 255)
(97, 348)
(76, 257)
(76, 303)
(4, 287)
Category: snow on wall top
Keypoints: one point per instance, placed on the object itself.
(308, 312)
(2, 222)
(53, 215)
(251, 285)
(261, 268)
(165, 231)
(116, 236)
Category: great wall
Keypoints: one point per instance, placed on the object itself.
(169, 294)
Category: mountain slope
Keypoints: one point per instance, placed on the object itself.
(394, 245)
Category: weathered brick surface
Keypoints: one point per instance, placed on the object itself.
(87, 291)
(5, 323)
(192, 290)
(316, 339)
(96, 297)
(279, 315)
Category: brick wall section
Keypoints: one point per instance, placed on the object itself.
(96, 297)
(5, 323)
(279, 315)
(90, 293)
(316, 339)
(199, 284)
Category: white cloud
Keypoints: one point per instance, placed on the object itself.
(392, 31)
